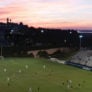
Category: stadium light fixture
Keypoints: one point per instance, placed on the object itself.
(80, 37)
(11, 31)
(70, 32)
(65, 41)
(42, 31)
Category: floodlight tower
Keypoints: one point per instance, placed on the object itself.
(80, 37)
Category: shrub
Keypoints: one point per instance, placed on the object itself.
(43, 54)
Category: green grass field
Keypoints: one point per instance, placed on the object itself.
(15, 77)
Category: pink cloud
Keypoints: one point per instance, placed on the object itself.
(48, 13)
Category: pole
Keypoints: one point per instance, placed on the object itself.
(80, 43)
(80, 40)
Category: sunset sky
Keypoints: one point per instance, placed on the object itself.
(75, 14)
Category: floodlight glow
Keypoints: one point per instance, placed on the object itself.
(65, 41)
(42, 31)
(11, 31)
(70, 32)
(81, 36)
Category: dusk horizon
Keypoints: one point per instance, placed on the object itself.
(62, 14)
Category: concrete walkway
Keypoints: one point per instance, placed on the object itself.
(57, 60)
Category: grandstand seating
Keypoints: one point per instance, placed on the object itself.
(82, 59)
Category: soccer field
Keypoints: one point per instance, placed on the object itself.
(40, 75)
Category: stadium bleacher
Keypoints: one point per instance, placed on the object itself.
(82, 59)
